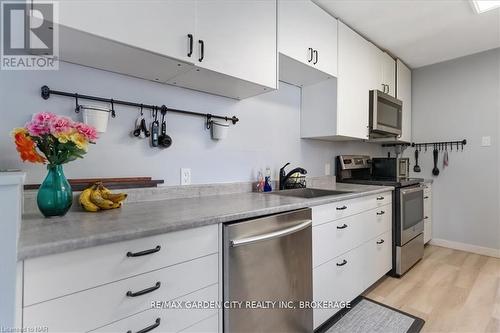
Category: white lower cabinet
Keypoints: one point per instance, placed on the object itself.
(340, 279)
(107, 298)
(427, 213)
(350, 253)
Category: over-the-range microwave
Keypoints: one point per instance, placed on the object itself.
(386, 115)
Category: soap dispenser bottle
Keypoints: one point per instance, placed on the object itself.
(267, 185)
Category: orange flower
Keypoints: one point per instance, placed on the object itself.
(26, 147)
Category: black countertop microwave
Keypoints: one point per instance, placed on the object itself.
(386, 115)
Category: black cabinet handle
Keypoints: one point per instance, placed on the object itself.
(380, 198)
(380, 241)
(149, 328)
(426, 197)
(316, 57)
(202, 50)
(342, 263)
(310, 50)
(425, 218)
(381, 212)
(190, 52)
(341, 208)
(144, 291)
(145, 252)
(342, 226)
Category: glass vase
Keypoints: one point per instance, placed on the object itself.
(54, 195)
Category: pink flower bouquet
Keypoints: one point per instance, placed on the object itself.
(59, 139)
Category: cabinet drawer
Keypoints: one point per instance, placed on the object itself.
(209, 325)
(331, 212)
(378, 257)
(62, 274)
(427, 231)
(332, 282)
(172, 320)
(334, 238)
(99, 306)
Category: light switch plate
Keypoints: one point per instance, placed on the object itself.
(486, 141)
(185, 176)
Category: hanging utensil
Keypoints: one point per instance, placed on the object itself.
(445, 156)
(164, 140)
(435, 170)
(416, 168)
(155, 128)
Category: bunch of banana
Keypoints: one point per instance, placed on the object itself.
(98, 197)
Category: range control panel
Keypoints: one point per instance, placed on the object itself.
(348, 162)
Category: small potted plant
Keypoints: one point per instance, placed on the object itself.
(53, 140)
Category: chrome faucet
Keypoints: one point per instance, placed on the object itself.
(285, 176)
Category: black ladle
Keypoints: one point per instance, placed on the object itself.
(435, 171)
(164, 140)
(416, 168)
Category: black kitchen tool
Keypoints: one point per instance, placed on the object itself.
(416, 168)
(144, 128)
(164, 140)
(155, 128)
(435, 171)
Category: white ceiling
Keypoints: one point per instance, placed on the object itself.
(420, 32)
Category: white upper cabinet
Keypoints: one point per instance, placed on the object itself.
(238, 38)
(359, 72)
(403, 93)
(307, 42)
(157, 26)
(388, 77)
(227, 48)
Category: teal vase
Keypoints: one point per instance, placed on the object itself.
(54, 195)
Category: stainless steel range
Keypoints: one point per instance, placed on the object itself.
(408, 204)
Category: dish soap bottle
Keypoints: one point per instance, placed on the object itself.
(267, 185)
(260, 182)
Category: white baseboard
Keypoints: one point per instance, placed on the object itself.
(485, 251)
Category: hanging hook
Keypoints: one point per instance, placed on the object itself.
(209, 118)
(77, 106)
(113, 113)
(142, 113)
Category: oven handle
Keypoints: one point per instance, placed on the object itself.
(270, 235)
(412, 190)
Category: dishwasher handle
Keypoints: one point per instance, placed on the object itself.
(271, 235)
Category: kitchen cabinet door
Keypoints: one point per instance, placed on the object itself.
(308, 35)
(238, 38)
(388, 74)
(403, 93)
(358, 73)
(157, 26)
(378, 257)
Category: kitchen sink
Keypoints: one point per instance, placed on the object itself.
(309, 193)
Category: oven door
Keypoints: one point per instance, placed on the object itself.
(411, 213)
(386, 117)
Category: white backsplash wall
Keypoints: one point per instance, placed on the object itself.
(454, 100)
(268, 134)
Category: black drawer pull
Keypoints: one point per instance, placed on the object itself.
(341, 208)
(190, 37)
(380, 241)
(144, 291)
(380, 198)
(425, 218)
(143, 253)
(342, 226)
(149, 328)
(381, 212)
(426, 197)
(316, 54)
(202, 50)
(342, 263)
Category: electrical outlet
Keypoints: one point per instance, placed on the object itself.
(185, 176)
(328, 169)
(486, 141)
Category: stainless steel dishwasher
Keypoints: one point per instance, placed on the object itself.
(268, 260)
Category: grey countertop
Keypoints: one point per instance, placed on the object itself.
(40, 236)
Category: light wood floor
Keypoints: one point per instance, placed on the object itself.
(453, 291)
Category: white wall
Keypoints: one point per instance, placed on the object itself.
(267, 135)
(454, 100)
